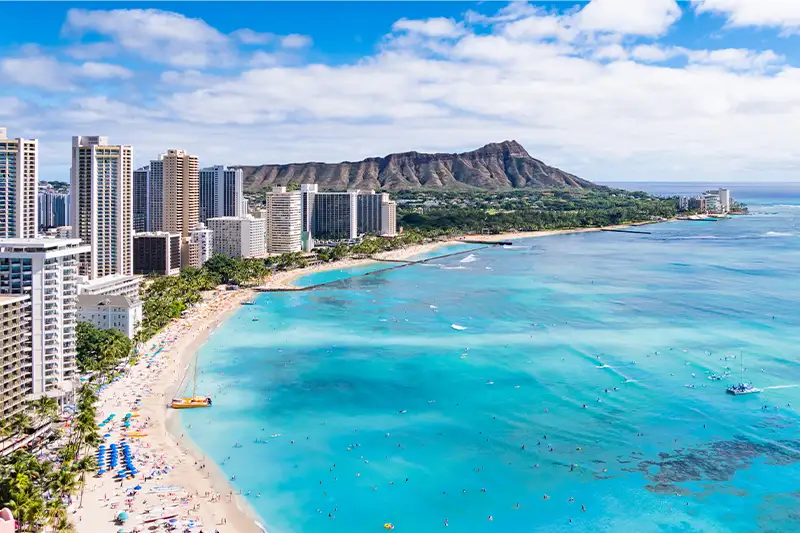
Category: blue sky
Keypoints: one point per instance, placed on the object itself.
(612, 90)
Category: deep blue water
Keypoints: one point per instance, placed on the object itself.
(551, 324)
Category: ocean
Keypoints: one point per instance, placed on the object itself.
(558, 384)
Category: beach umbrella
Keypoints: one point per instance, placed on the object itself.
(137, 487)
(107, 435)
(123, 515)
(101, 471)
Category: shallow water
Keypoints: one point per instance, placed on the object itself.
(366, 375)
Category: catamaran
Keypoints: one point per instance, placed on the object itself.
(194, 401)
(742, 387)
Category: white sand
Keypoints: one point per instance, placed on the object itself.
(207, 496)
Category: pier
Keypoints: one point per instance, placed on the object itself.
(626, 231)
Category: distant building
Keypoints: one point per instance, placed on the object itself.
(111, 312)
(201, 240)
(102, 205)
(221, 193)
(47, 271)
(369, 211)
(697, 203)
(157, 252)
(111, 286)
(713, 204)
(238, 236)
(724, 199)
(16, 378)
(327, 216)
(19, 186)
(155, 196)
(282, 219)
(53, 209)
(141, 199)
(388, 218)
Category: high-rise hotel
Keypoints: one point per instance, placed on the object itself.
(46, 270)
(19, 185)
(221, 193)
(102, 205)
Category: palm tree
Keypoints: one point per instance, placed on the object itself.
(83, 466)
(20, 423)
(45, 408)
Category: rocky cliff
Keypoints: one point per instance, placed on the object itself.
(496, 166)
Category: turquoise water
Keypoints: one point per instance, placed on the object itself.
(366, 375)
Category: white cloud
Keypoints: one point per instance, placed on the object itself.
(631, 17)
(103, 71)
(295, 40)
(11, 106)
(50, 74)
(654, 53)
(530, 75)
(158, 36)
(769, 13)
(248, 36)
(91, 50)
(736, 58)
(438, 27)
(36, 71)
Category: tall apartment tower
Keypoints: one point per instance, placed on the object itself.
(181, 197)
(283, 221)
(47, 271)
(221, 193)
(19, 187)
(141, 199)
(102, 205)
(15, 355)
(53, 209)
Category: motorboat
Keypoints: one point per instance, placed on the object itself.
(742, 388)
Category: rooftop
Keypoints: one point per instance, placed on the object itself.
(6, 299)
(107, 300)
(44, 244)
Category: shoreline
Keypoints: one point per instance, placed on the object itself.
(192, 478)
(217, 504)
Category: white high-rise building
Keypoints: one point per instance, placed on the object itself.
(221, 193)
(238, 236)
(201, 240)
(283, 221)
(102, 205)
(47, 271)
(19, 187)
(724, 200)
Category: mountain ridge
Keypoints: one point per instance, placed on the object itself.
(495, 166)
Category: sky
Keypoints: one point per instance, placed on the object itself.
(610, 90)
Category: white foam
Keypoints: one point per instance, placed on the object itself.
(778, 234)
(469, 259)
(457, 327)
(433, 306)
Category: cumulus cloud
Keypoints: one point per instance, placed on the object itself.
(49, 74)
(432, 27)
(767, 13)
(603, 107)
(167, 37)
(631, 17)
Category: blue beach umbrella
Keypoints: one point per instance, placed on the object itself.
(137, 487)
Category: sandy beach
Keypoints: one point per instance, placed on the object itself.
(175, 480)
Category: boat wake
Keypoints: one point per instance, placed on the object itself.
(781, 387)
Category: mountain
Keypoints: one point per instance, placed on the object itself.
(504, 165)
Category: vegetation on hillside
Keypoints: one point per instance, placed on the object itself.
(482, 212)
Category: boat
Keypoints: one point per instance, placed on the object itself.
(715, 377)
(742, 387)
(194, 401)
(249, 302)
